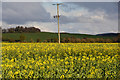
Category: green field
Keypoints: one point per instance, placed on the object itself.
(47, 35)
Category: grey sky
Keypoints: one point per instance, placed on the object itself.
(77, 17)
(60, 0)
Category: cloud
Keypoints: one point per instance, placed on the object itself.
(60, 0)
(75, 17)
(109, 7)
(83, 16)
(22, 12)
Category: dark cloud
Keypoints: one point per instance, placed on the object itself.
(0, 13)
(109, 7)
(22, 12)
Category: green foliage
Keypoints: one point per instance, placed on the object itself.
(20, 29)
(31, 40)
(22, 37)
(38, 40)
(54, 36)
(11, 40)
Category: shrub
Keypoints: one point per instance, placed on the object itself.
(11, 40)
(22, 37)
(17, 40)
(38, 40)
(31, 40)
(55, 40)
(5, 39)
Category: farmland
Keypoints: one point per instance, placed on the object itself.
(47, 35)
(66, 60)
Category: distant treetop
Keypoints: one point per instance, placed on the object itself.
(21, 29)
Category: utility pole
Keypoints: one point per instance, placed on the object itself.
(57, 16)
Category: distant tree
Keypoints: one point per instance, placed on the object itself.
(17, 40)
(87, 40)
(20, 29)
(11, 40)
(4, 31)
(77, 40)
(91, 40)
(55, 40)
(63, 40)
(5, 39)
(52, 40)
(45, 41)
(48, 40)
(22, 37)
(38, 40)
(97, 40)
(102, 40)
(118, 37)
(108, 40)
(83, 40)
(72, 39)
(68, 40)
(11, 30)
(31, 40)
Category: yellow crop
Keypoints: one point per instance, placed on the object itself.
(52, 60)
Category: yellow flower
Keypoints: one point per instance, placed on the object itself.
(62, 76)
(30, 66)
(12, 60)
(61, 60)
(48, 67)
(17, 72)
(34, 57)
(65, 70)
(93, 59)
(92, 72)
(31, 72)
(28, 53)
(66, 62)
(42, 68)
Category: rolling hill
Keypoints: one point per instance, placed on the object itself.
(48, 35)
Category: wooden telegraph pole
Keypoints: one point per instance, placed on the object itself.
(57, 16)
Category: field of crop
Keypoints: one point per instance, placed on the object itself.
(46, 35)
(52, 60)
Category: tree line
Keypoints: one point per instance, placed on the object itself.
(22, 38)
(21, 29)
(85, 40)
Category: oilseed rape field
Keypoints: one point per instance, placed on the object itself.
(65, 60)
